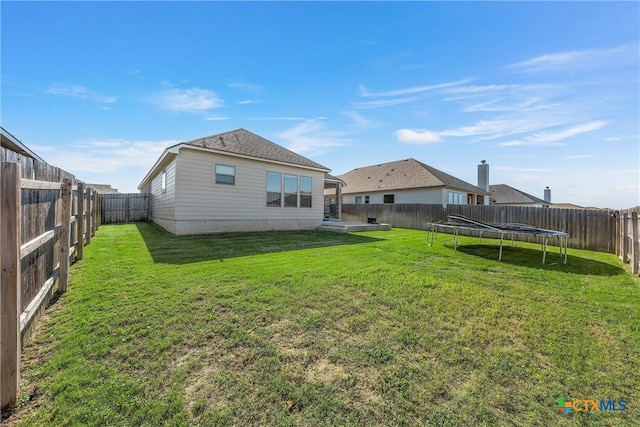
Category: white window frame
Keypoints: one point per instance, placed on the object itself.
(305, 194)
(267, 189)
(224, 174)
(455, 198)
(284, 198)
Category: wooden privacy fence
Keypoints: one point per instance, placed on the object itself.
(46, 217)
(125, 207)
(588, 229)
(628, 238)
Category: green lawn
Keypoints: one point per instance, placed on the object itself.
(313, 328)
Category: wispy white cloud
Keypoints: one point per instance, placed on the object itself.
(410, 90)
(287, 118)
(418, 137)
(501, 127)
(548, 138)
(213, 118)
(242, 85)
(312, 138)
(499, 105)
(578, 156)
(572, 60)
(109, 156)
(517, 169)
(188, 100)
(635, 172)
(359, 121)
(79, 92)
(249, 101)
(478, 89)
(385, 102)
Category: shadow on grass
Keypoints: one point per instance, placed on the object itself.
(528, 257)
(166, 248)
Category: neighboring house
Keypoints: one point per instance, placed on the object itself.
(103, 188)
(234, 181)
(502, 194)
(10, 142)
(408, 181)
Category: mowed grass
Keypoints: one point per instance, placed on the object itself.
(313, 328)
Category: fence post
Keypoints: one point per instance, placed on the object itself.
(126, 209)
(625, 233)
(617, 231)
(635, 244)
(80, 222)
(88, 211)
(94, 209)
(11, 232)
(65, 233)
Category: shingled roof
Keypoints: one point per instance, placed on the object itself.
(503, 194)
(245, 143)
(402, 174)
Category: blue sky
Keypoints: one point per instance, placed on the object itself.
(547, 92)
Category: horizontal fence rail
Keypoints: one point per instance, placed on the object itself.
(587, 229)
(125, 207)
(46, 217)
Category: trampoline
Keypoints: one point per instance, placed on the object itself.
(456, 223)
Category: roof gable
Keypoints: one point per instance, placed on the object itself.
(245, 143)
(505, 194)
(402, 174)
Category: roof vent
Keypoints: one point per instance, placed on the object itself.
(222, 141)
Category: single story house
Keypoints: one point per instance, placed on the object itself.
(234, 181)
(505, 195)
(408, 181)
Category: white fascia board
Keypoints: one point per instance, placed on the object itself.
(160, 162)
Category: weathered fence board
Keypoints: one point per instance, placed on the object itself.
(628, 238)
(125, 207)
(10, 283)
(588, 229)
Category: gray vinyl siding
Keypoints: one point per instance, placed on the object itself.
(202, 205)
(163, 202)
(417, 195)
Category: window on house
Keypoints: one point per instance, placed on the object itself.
(366, 199)
(306, 186)
(480, 200)
(274, 189)
(456, 198)
(290, 191)
(358, 200)
(225, 174)
(163, 181)
(389, 198)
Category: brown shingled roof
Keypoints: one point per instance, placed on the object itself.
(402, 174)
(504, 194)
(245, 143)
